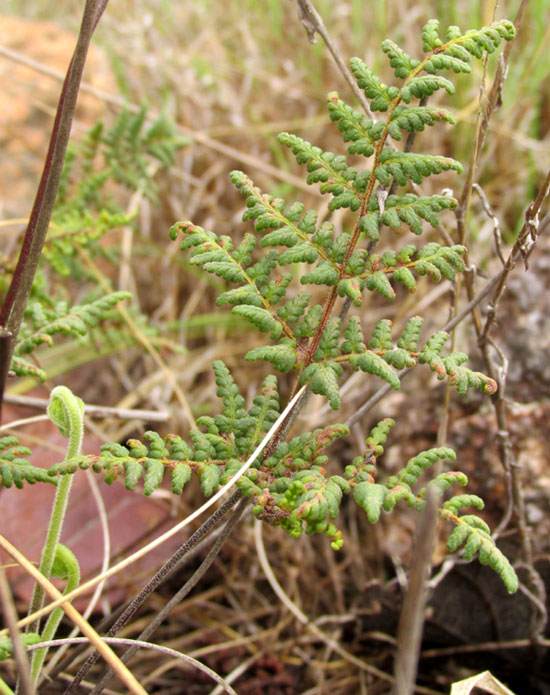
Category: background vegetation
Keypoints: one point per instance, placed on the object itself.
(232, 80)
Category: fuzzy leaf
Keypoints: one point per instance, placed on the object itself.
(323, 380)
(378, 282)
(352, 288)
(378, 93)
(372, 363)
(181, 474)
(322, 274)
(478, 540)
(261, 318)
(370, 497)
(210, 479)
(15, 468)
(283, 357)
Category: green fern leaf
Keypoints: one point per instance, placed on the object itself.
(240, 295)
(378, 282)
(210, 479)
(424, 86)
(154, 473)
(261, 318)
(228, 391)
(283, 356)
(369, 225)
(478, 540)
(403, 166)
(323, 274)
(430, 36)
(302, 253)
(402, 63)
(330, 170)
(71, 322)
(21, 367)
(328, 345)
(323, 380)
(370, 497)
(352, 288)
(294, 309)
(418, 464)
(310, 322)
(404, 276)
(15, 468)
(353, 337)
(381, 336)
(372, 363)
(354, 126)
(411, 333)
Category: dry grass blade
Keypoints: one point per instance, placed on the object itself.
(311, 627)
(141, 644)
(19, 653)
(232, 153)
(176, 598)
(106, 652)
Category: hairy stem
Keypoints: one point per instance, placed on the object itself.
(66, 412)
(70, 570)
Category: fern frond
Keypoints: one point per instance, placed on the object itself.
(15, 468)
(413, 119)
(354, 339)
(232, 400)
(383, 357)
(261, 416)
(371, 497)
(371, 363)
(403, 166)
(22, 367)
(411, 209)
(418, 464)
(323, 380)
(354, 126)
(453, 367)
(402, 63)
(331, 170)
(323, 274)
(290, 226)
(75, 321)
(410, 336)
(255, 299)
(328, 345)
(424, 86)
(380, 94)
(473, 532)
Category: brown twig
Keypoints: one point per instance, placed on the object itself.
(411, 619)
(313, 24)
(522, 248)
(94, 411)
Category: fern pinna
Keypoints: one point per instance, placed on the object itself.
(290, 485)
